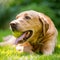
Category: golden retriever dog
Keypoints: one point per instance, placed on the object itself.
(39, 33)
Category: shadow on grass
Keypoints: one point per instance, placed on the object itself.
(57, 50)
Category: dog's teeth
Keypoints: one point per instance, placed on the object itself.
(28, 34)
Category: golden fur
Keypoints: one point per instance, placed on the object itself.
(44, 35)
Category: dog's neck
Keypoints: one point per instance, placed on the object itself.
(37, 39)
(37, 42)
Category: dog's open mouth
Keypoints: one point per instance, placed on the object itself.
(26, 35)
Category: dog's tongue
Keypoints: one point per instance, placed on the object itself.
(20, 38)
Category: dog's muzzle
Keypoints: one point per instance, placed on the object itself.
(25, 34)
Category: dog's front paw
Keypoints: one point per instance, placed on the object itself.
(19, 48)
(22, 48)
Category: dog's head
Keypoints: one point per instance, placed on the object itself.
(30, 24)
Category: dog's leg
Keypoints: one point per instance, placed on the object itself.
(6, 38)
(10, 40)
(25, 47)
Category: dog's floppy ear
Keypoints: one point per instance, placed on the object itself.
(44, 24)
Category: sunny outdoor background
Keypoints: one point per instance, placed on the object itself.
(10, 8)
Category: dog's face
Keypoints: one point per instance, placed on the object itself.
(29, 24)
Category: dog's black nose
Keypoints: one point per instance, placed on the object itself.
(13, 26)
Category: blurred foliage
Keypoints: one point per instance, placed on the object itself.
(10, 8)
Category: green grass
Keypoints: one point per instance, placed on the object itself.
(10, 53)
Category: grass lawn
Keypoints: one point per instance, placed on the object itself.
(9, 53)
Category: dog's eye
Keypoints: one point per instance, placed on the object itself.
(27, 17)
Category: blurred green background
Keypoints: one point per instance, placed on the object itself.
(10, 8)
